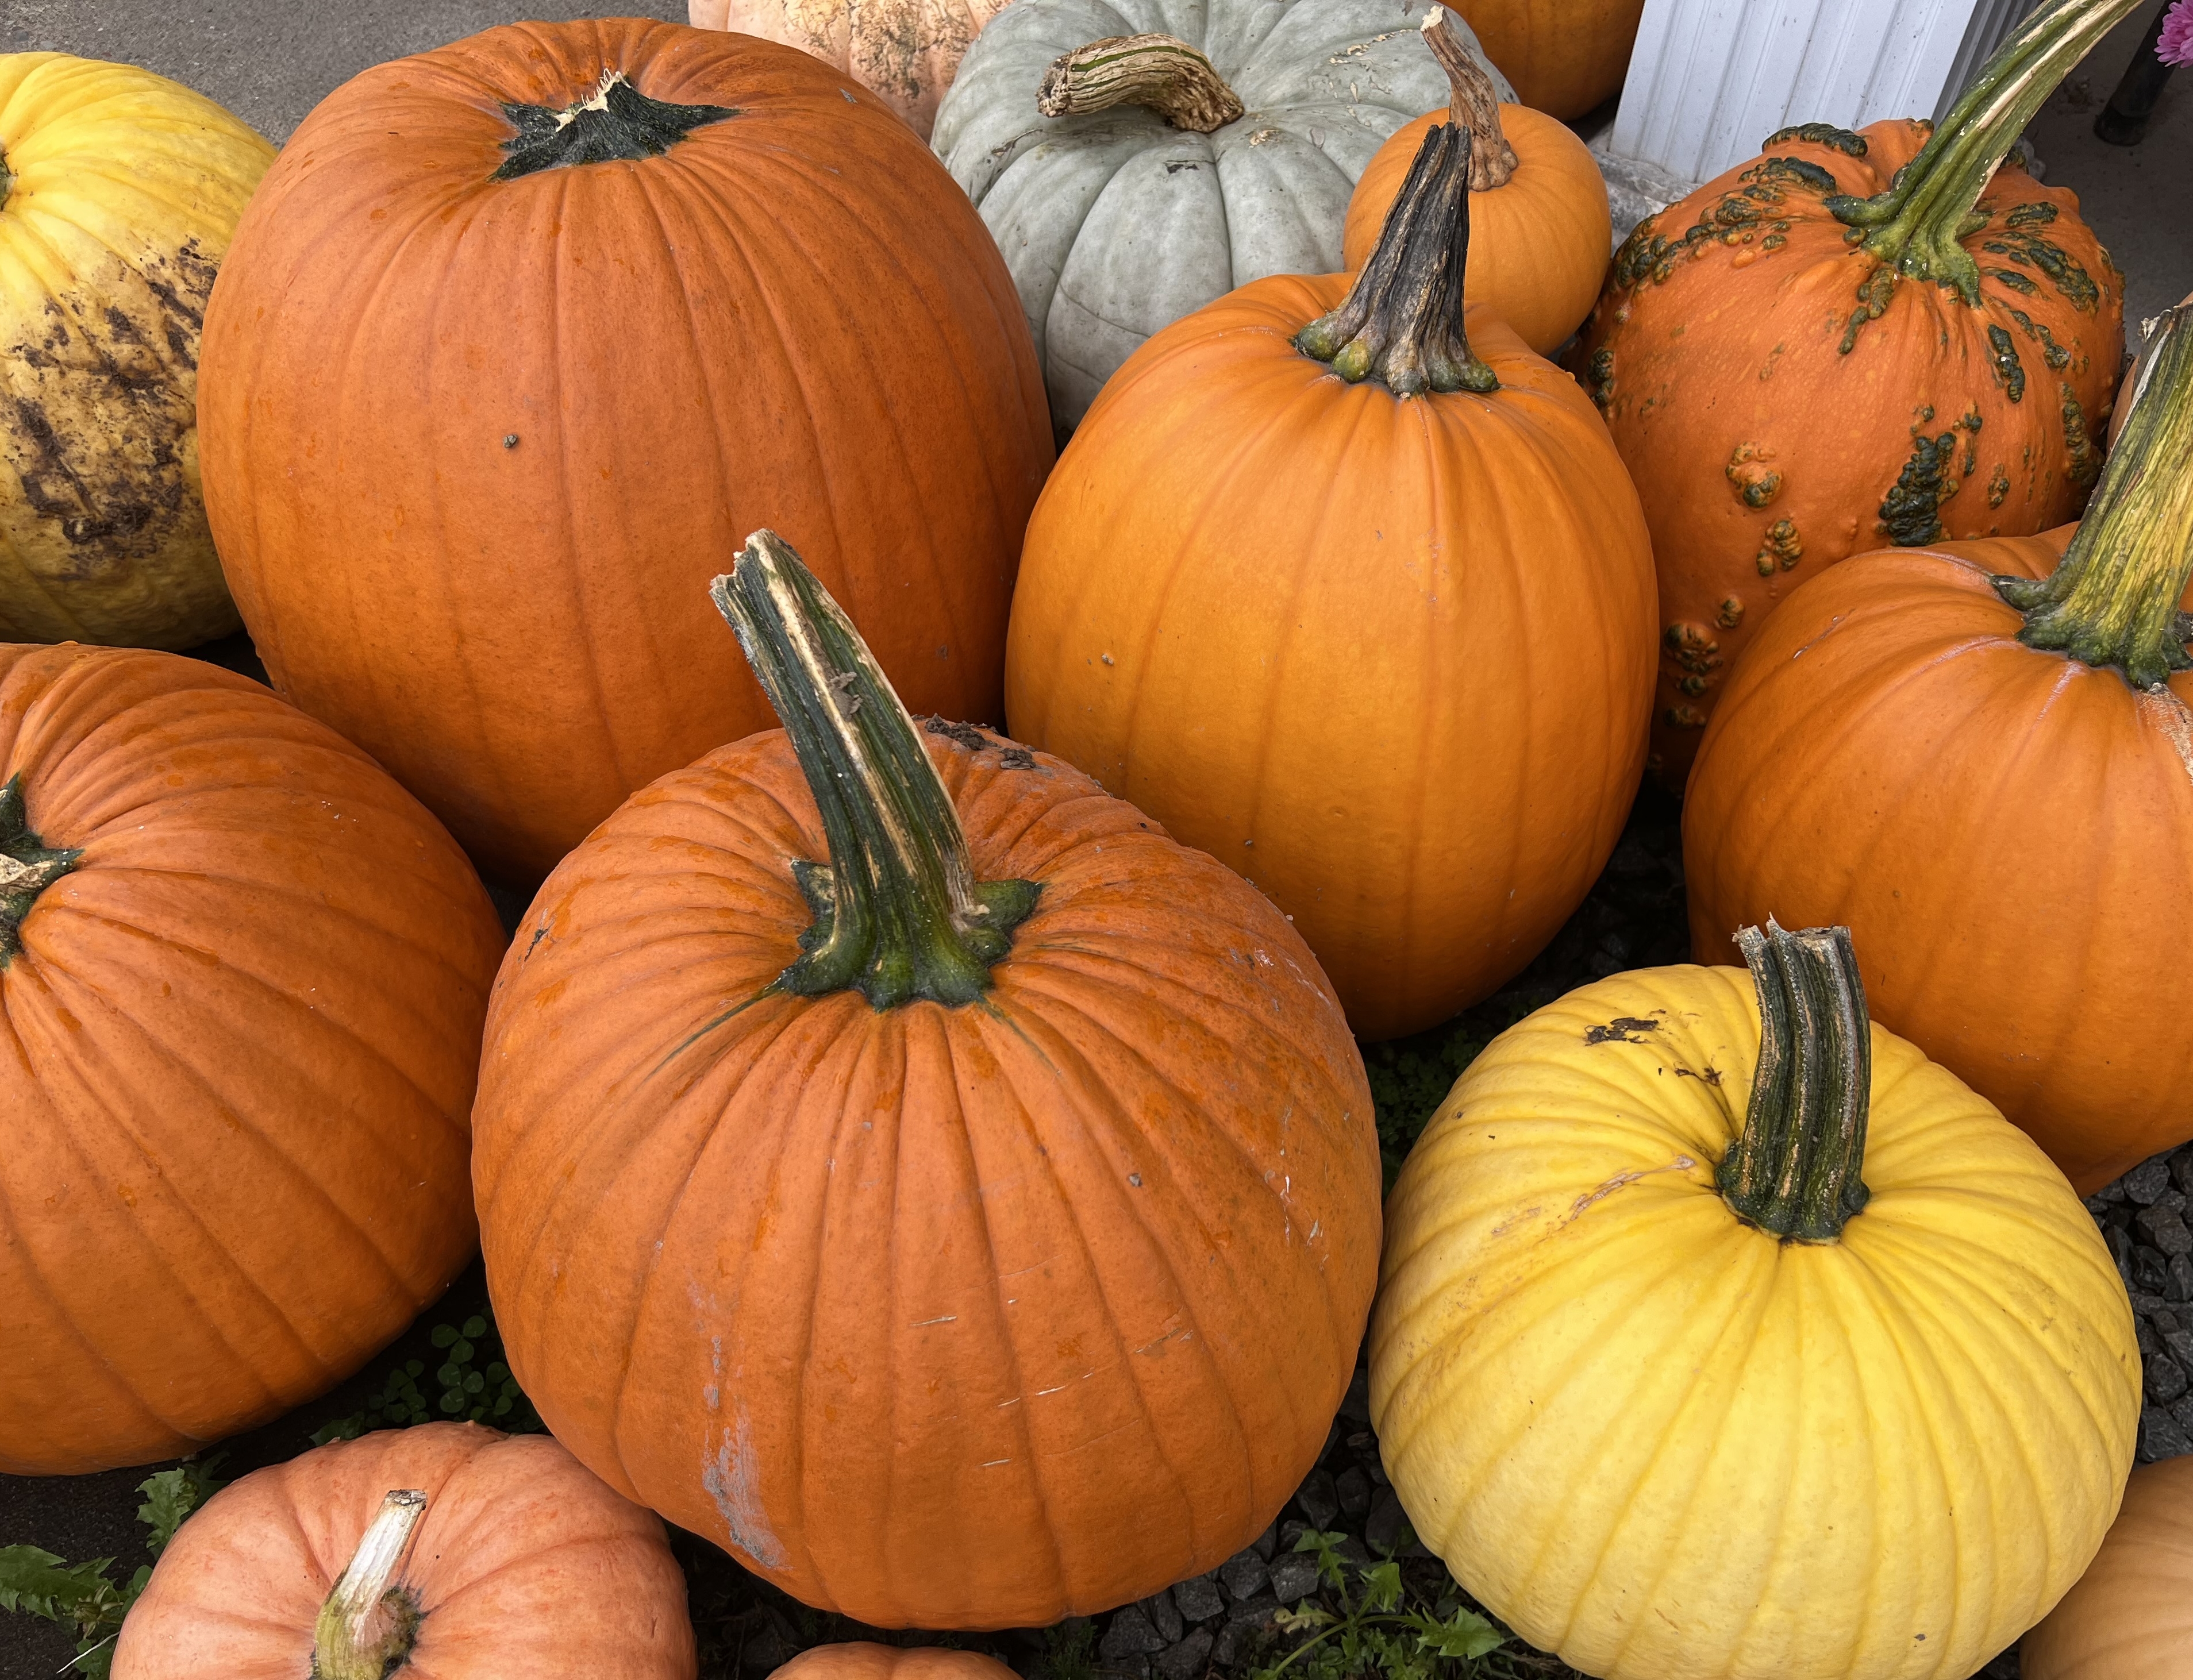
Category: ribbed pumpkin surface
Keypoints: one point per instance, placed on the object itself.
(2131, 1615)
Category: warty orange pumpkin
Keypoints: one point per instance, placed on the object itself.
(908, 1167)
(1354, 595)
(1539, 227)
(242, 974)
(1959, 322)
(903, 51)
(1982, 761)
(446, 1551)
(518, 339)
(2131, 1615)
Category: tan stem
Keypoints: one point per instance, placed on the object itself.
(1160, 72)
(1472, 103)
(368, 1624)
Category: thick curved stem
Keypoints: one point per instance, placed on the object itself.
(369, 1622)
(1401, 321)
(898, 913)
(1160, 72)
(617, 120)
(27, 867)
(1472, 103)
(1794, 1171)
(2112, 602)
(1916, 226)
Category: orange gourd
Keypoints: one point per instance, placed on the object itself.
(1383, 642)
(903, 51)
(1564, 56)
(243, 974)
(487, 395)
(446, 1551)
(1538, 221)
(1982, 762)
(959, 1200)
(2131, 1615)
(1957, 324)
(864, 1660)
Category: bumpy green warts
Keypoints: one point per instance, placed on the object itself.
(1819, 134)
(1754, 210)
(1910, 513)
(2008, 369)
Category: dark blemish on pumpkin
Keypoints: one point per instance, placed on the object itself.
(1732, 609)
(1998, 486)
(2086, 464)
(965, 735)
(2029, 215)
(1683, 717)
(1910, 513)
(1755, 483)
(539, 934)
(2008, 369)
(1819, 134)
(1873, 295)
(847, 95)
(2012, 278)
(2051, 352)
(1711, 1076)
(1017, 758)
(1602, 371)
(1622, 1030)
(510, 440)
(2031, 251)
(1781, 551)
(1136, 1179)
(1177, 164)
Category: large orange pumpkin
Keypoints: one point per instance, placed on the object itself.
(1996, 798)
(1962, 332)
(448, 1552)
(1382, 643)
(1564, 56)
(489, 394)
(243, 974)
(865, 1660)
(1538, 219)
(964, 1229)
(2131, 1615)
(903, 51)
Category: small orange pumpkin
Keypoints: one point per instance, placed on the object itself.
(1539, 228)
(2131, 1615)
(864, 1660)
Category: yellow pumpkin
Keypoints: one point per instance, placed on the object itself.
(118, 192)
(1836, 1384)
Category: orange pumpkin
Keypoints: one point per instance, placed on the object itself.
(864, 1660)
(243, 974)
(903, 51)
(964, 1228)
(446, 1551)
(2002, 816)
(1968, 364)
(1564, 56)
(487, 395)
(1383, 643)
(2131, 1615)
(1538, 222)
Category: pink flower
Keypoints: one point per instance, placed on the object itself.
(2176, 46)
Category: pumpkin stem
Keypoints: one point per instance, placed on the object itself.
(27, 867)
(615, 121)
(1401, 321)
(1794, 1171)
(2113, 599)
(368, 1624)
(1160, 72)
(1917, 227)
(1472, 103)
(898, 913)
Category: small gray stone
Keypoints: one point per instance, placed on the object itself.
(2179, 1288)
(2163, 1381)
(1294, 1577)
(1267, 1542)
(2176, 1335)
(1164, 1616)
(2147, 1181)
(2146, 1307)
(1386, 1527)
(1129, 1634)
(2183, 1411)
(1354, 1488)
(2150, 1271)
(1317, 1500)
(2181, 1169)
(2143, 1331)
(1356, 1404)
(1186, 1659)
(1244, 1574)
(2113, 1191)
(1254, 1613)
(2165, 1228)
(1242, 1627)
(1199, 1598)
(2161, 1436)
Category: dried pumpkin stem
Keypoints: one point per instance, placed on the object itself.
(615, 121)
(1160, 72)
(1401, 321)
(7, 179)
(27, 867)
(2113, 600)
(1471, 102)
(369, 1622)
(1793, 1173)
(898, 912)
(1916, 226)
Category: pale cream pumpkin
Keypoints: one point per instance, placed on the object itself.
(905, 52)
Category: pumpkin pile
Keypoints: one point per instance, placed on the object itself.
(917, 1128)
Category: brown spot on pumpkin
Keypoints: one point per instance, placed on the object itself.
(1732, 611)
(1017, 758)
(1622, 1030)
(962, 735)
(1780, 550)
(1755, 483)
(1711, 1076)
(1684, 718)
(1998, 486)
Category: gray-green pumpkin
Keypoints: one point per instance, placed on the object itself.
(1116, 223)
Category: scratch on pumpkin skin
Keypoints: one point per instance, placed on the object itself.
(2176, 723)
(729, 1479)
(1682, 1164)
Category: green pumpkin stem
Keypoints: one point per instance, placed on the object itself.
(2112, 602)
(898, 913)
(1793, 1173)
(1401, 321)
(27, 867)
(369, 1622)
(1161, 72)
(1917, 227)
(615, 122)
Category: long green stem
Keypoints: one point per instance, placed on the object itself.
(2112, 600)
(27, 867)
(1916, 226)
(898, 912)
(369, 1622)
(1793, 1173)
